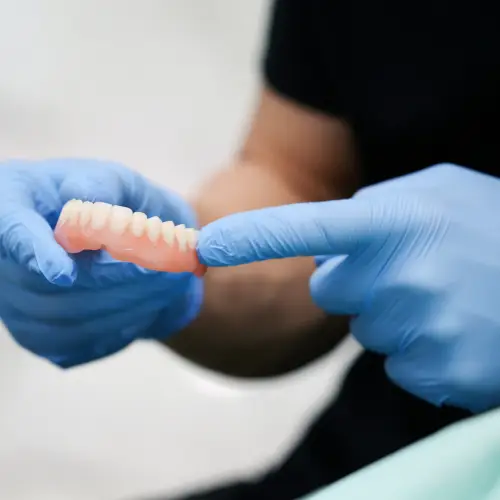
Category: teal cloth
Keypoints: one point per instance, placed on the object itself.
(462, 462)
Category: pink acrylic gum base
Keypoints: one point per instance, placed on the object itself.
(158, 256)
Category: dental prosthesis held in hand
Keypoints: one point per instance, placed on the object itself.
(128, 236)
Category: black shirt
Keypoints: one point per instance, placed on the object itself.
(419, 82)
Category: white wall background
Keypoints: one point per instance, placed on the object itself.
(163, 86)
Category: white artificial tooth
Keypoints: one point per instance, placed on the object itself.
(192, 237)
(153, 228)
(180, 234)
(138, 224)
(86, 213)
(100, 214)
(64, 215)
(119, 219)
(168, 232)
(71, 212)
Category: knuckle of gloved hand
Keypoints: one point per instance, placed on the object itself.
(411, 211)
(392, 220)
(450, 172)
(404, 215)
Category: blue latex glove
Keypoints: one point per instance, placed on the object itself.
(417, 266)
(74, 309)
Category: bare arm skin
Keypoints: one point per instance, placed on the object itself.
(258, 320)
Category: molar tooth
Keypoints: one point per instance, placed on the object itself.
(192, 237)
(71, 212)
(168, 232)
(153, 228)
(180, 234)
(86, 213)
(138, 224)
(100, 215)
(119, 220)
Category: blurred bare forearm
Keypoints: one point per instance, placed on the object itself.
(259, 320)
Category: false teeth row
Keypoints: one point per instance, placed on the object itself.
(117, 219)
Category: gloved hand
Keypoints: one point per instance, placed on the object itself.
(416, 266)
(74, 309)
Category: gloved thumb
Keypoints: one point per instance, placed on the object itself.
(306, 229)
(336, 288)
(26, 238)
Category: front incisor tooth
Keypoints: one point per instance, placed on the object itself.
(153, 228)
(71, 212)
(180, 234)
(86, 213)
(168, 232)
(100, 215)
(192, 237)
(138, 224)
(119, 219)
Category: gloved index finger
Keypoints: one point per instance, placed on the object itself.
(304, 229)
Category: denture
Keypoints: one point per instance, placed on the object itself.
(128, 236)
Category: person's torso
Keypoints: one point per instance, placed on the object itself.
(418, 81)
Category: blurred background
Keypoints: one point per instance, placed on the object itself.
(164, 86)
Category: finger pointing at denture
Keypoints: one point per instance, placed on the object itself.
(128, 236)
